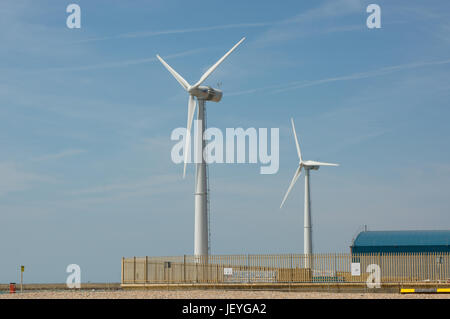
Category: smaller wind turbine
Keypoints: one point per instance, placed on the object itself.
(307, 165)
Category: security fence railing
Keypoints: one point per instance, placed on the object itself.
(288, 268)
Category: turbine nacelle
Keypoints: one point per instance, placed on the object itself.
(313, 167)
(308, 165)
(206, 93)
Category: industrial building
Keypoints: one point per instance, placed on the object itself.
(405, 241)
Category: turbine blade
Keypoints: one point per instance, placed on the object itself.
(211, 69)
(178, 77)
(191, 110)
(294, 179)
(321, 163)
(299, 152)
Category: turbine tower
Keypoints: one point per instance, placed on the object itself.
(307, 165)
(203, 94)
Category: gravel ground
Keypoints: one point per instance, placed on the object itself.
(210, 294)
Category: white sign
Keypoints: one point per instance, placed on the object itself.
(228, 271)
(242, 276)
(356, 269)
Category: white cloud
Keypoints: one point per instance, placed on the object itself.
(65, 153)
(327, 9)
(354, 76)
(137, 187)
(126, 63)
(144, 34)
(311, 21)
(13, 179)
(24, 35)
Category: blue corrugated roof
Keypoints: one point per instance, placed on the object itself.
(403, 238)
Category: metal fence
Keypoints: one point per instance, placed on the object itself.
(289, 268)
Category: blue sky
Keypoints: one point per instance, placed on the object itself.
(86, 117)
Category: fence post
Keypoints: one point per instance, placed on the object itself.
(248, 268)
(379, 265)
(184, 268)
(122, 270)
(146, 269)
(291, 270)
(134, 270)
(334, 267)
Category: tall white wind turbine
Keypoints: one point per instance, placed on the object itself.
(203, 94)
(307, 166)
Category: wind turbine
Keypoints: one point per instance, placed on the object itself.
(203, 94)
(307, 166)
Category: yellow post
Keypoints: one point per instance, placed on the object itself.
(121, 270)
(146, 269)
(134, 270)
(22, 269)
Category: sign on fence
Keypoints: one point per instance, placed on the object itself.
(243, 276)
(228, 271)
(356, 269)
